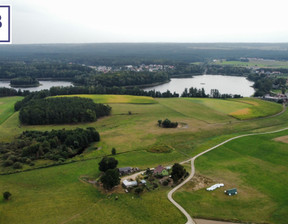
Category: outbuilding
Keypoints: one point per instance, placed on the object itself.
(128, 184)
(231, 192)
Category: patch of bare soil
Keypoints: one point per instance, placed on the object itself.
(199, 182)
(182, 125)
(283, 139)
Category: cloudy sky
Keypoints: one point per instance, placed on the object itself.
(89, 21)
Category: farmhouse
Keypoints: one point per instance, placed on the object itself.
(230, 192)
(160, 170)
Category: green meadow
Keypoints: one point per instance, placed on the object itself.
(256, 63)
(116, 98)
(56, 194)
(7, 107)
(257, 166)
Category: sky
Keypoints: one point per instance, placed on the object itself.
(105, 21)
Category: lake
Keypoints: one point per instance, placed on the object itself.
(43, 85)
(225, 84)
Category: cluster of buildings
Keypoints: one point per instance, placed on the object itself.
(134, 68)
(158, 171)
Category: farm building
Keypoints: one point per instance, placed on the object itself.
(125, 170)
(128, 184)
(160, 170)
(230, 192)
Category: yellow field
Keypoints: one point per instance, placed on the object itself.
(116, 98)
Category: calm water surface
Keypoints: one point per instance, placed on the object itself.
(225, 84)
(44, 85)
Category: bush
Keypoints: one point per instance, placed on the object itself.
(138, 190)
(168, 124)
(7, 195)
(155, 185)
(17, 165)
(8, 163)
(165, 182)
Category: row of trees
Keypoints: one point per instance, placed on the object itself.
(62, 110)
(214, 93)
(228, 70)
(56, 145)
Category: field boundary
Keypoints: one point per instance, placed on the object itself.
(192, 160)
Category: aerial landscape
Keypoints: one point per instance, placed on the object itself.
(123, 127)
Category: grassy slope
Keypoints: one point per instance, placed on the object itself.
(258, 167)
(7, 107)
(35, 190)
(117, 98)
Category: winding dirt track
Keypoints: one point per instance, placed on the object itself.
(170, 194)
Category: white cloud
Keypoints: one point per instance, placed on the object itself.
(150, 20)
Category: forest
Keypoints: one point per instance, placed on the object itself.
(140, 53)
(121, 78)
(56, 145)
(56, 70)
(62, 110)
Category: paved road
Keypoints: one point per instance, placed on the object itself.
(170, 194)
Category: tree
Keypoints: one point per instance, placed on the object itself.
(7, 195)
(107, 163)
(159, 123)
(178, 172)
(113, 151)
(110, 178)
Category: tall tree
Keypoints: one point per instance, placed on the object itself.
(110, 178)
(178, 172)
(107, 163)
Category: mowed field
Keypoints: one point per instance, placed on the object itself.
(257, 166)
(56, 195)
(7, 107)
(260, 63)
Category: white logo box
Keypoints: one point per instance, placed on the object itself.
(5, 24)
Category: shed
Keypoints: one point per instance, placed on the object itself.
(127, 183)
(143, 182)
(125, 170)
(230, 192)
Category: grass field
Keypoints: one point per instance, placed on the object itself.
(257, 166)
(7, 107)
(116, 98)
(55, 195)
(260, 63)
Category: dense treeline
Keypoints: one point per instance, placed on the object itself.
(184, 69)
(24, 81)
(70, 90)
(139, 53)
(62, 110)
(55, 145)
(121, 78)
(263, 83)
(54, 70)
(228, 70)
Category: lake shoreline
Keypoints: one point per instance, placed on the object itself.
(239, 85)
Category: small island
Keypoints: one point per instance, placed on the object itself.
(26, 81)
